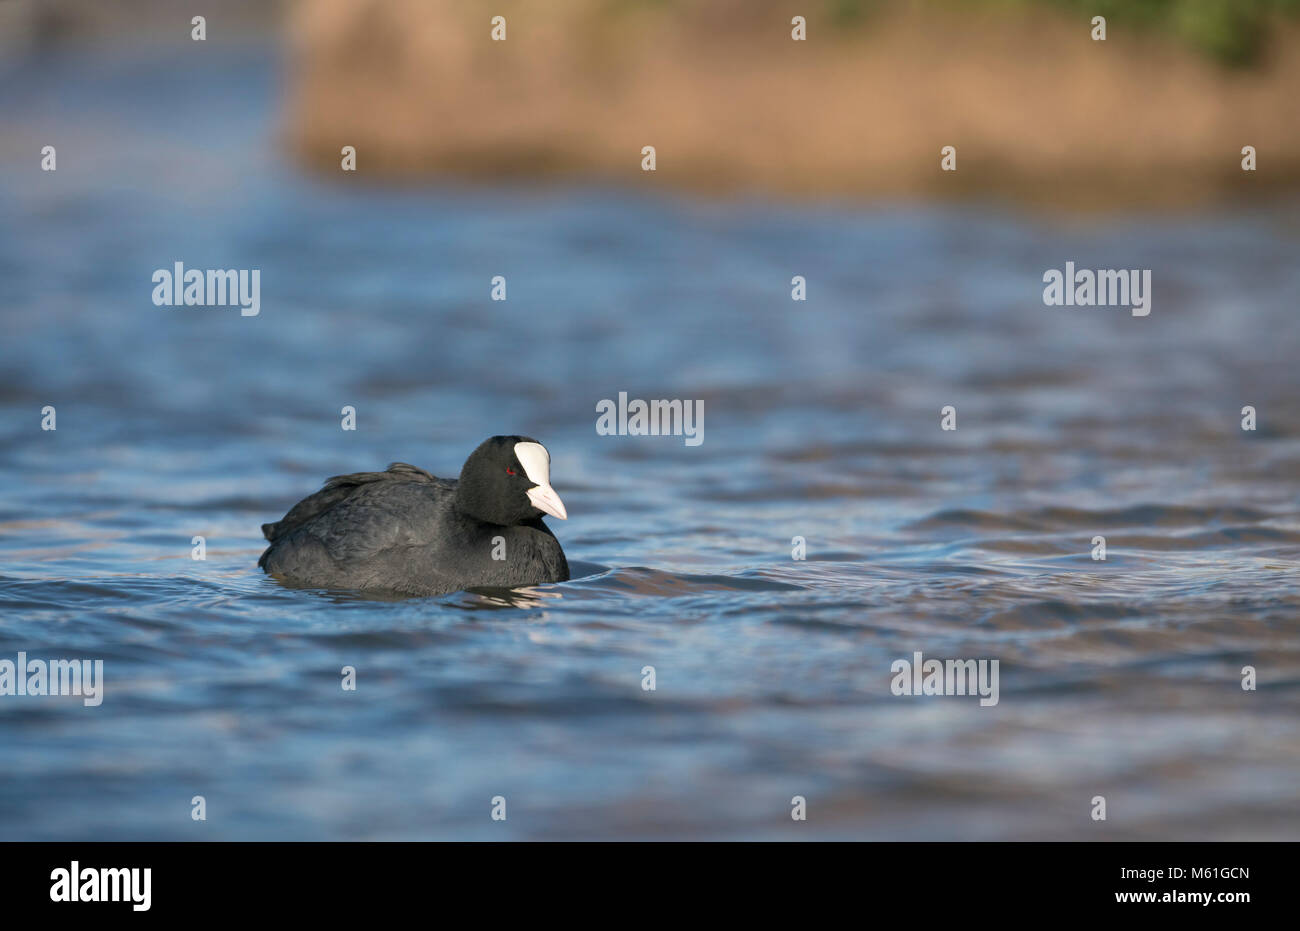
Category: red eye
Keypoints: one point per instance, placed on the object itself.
(510, 471)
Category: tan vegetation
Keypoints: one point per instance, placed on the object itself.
(1035, 107)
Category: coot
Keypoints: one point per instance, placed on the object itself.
(407, 532)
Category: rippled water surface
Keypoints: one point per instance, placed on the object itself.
(1118, 678)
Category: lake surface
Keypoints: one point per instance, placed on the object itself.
(1118, 678)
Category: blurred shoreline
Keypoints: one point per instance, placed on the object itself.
(1039, 113)
(1036, 109)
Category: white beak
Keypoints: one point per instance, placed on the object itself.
(545, 499)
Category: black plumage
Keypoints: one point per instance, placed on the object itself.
(406, 531)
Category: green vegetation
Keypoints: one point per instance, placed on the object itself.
(1233, 32)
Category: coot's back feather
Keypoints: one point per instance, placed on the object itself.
(335, 489)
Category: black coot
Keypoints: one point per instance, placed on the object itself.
(407, 532)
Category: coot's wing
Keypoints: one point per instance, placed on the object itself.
(339, 489)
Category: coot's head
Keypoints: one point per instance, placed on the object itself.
(507, 481)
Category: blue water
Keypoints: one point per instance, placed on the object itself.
(822, 420)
